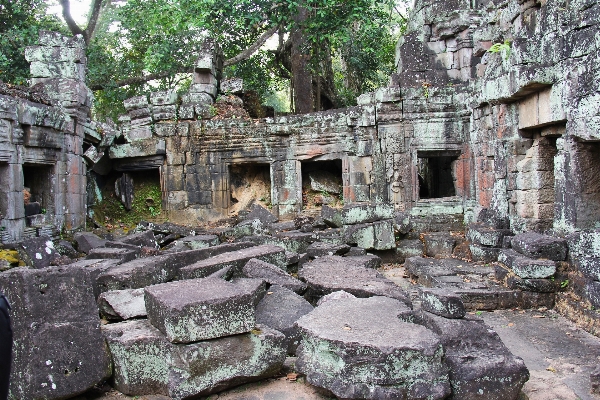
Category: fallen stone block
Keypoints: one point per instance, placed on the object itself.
(442, 302)
(484, 253)
(481, 367)
(526, 267)
(234, 259)
(279, 310)
(87, 241)
(338, 338)
(200, 241)
(58, 350)
(439, 244)
(376, 235)
(535, 245)
(320, 249)
(426, 270)
(123, 255)
(37, 252)
(141, 239)
(365, 213)
(329, 274)
(295, 241)
(122, 304)
(199, 309)
(339, 295)
(262, 214)
(332, 216)
(355, 251)
(532, 285)
(367, 261)
(486, 235)
(159, 269)
(409, 248)
(145, 362)
(94, 268)
(272, 274)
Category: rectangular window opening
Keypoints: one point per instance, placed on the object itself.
(322, 184)
(436, 175)
(249, 183)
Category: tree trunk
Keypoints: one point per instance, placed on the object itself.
(302, 79)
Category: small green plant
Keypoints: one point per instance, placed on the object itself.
(501, 48)
(478, 312)
(426, 86)
(564, 284)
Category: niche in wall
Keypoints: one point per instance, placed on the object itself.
(436, 176)
(322, 183)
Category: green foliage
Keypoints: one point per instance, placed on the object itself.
(564, 284)
(501, 48)
(20, 22)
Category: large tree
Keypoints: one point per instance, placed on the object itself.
(328, 51)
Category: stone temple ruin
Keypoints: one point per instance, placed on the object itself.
(475, 168)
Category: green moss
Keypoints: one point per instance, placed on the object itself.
(147, 202)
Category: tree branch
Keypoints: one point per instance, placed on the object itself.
(88, 34)
(66, 12)
(139, 79)
(244, 55)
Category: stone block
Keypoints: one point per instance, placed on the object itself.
(58, 349)
(262, 214)
(486, 235)
(158, 269)
(442, 302)
(338, 336)
(146, 363)
(122, 304)
(535, 245)
(320, 249)
(330, 274)
(136, 102)
(484, 253)
(279, 309)
(200, 241)
(481, 367)
(439, 244)
(141, 239)
(37, 252)
(162, 98)
(588, 266)
(164, 113)
(233, 85)
(273, 275)
(199, 309)
(365, 260)
(331, 216)
(234, 259)
(525, 267)
(364, 213)
(139, 133)
(376, 235)
(532, 285)
(123, 255)
(208, 89)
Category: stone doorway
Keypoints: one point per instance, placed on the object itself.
(249, 183)
(322, 184)
(436, 177)
(38, 193)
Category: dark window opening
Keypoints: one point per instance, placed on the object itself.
(436, 176)
(249, 184)
(38, 192)
(322, 184)
(588, 207)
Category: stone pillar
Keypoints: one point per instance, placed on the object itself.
(286, 188)
(58, 65)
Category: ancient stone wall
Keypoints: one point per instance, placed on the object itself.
(41, 142)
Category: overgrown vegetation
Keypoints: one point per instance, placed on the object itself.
(147, 201)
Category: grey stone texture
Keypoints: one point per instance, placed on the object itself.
(273, 275)
(58, 348)
(526, 267)
(329, 274)
(199, 309)
(279, 309)
(235, 259)
(122, 304)
(442, 302)
(123, 255)
(320, 249)
(37, 252)
(535, 245)
(405, 359)
(146, 363)
(87, 241)
(481, 367)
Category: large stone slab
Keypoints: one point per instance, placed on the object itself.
(361, 349)
(121, 254)
(320, 249)
(122, 304)
(329, 274)
(273, 275)
(234, 259)
(141, 239)
(280, 309)
(145, 362)
(159, 269)
(481, 367)
(535, 245)
(58, 349)
(525, 267)
(199, 309)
